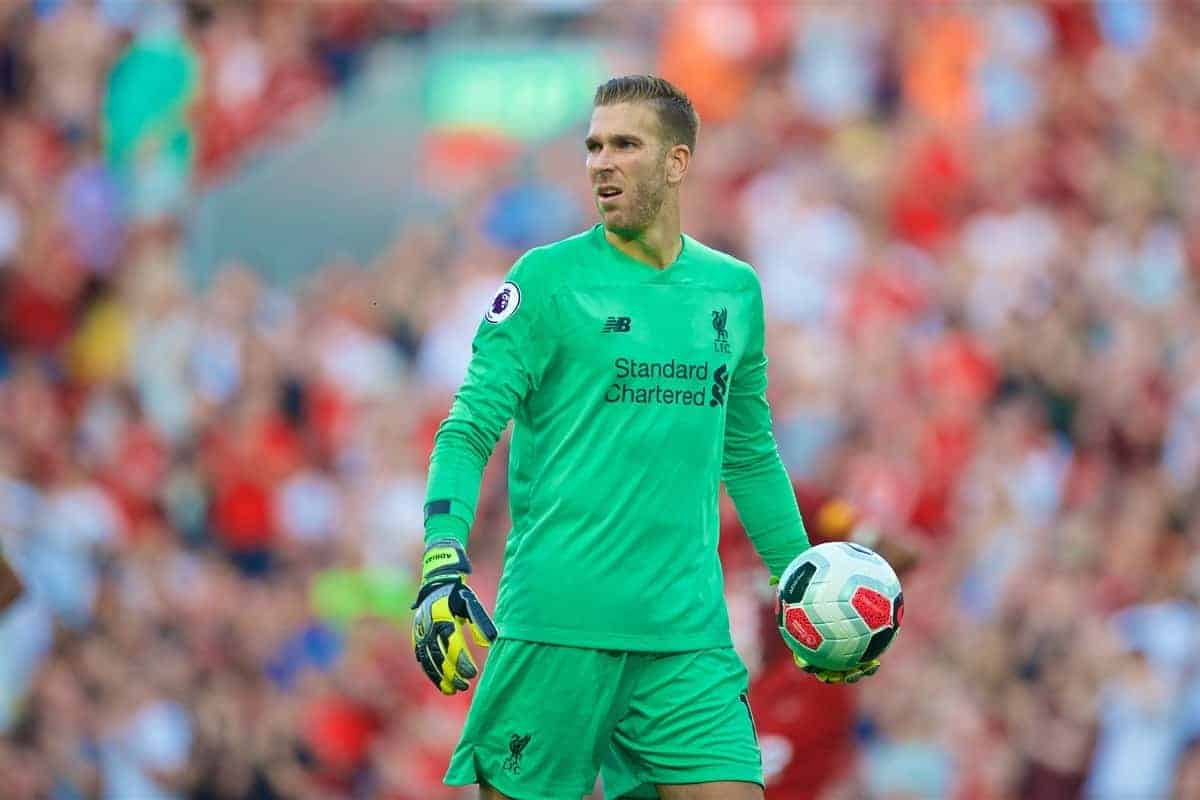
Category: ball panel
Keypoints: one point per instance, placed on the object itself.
(839, 618)
(809, 556)
(794, 586)
(858, 551)
(879, 643)
(853, 580)
(799, 626)
(842, 632)
(873, 607)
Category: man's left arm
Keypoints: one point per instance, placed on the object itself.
(752, 469)
(757, 481)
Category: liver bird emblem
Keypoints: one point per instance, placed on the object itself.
(516, 746)
(719, 318)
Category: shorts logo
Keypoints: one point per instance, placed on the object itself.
(516, 746)
(504, 304)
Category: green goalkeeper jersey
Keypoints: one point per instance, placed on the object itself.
(634, 392)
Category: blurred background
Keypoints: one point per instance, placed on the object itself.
(244, 248)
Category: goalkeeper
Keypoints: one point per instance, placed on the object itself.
(631, 358)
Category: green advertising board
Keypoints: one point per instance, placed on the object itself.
(524, 92)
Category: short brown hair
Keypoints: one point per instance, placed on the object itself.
(679, 120)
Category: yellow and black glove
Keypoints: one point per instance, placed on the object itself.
(836, 676)
(444, 606)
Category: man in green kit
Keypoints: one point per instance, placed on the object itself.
(631, 358)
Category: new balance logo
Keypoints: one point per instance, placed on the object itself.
(616, 325)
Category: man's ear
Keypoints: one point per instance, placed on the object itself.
(678, 158)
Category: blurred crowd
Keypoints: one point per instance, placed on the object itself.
(978, 232)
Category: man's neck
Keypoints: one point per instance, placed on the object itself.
(658, 246)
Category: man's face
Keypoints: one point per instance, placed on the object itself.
(627, 166)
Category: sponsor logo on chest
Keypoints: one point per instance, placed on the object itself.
(687, 381)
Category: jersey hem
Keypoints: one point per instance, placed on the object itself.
(609, 641)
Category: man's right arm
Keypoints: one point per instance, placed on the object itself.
(509, 353)
(507, 359)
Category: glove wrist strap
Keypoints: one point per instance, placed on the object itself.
(444, 559)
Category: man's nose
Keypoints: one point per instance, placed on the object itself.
(599, 162)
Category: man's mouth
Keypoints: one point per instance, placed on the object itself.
(608, 192)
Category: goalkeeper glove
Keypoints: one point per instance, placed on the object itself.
(838, 676)
(444, 606)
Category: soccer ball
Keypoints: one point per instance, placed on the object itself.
(839, 605)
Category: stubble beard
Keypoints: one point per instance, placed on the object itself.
(646, 201)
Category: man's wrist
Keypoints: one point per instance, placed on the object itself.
(448, 519)
(444, 559)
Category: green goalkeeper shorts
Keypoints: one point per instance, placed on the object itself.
(546, 719)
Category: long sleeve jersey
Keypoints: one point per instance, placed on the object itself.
(634, 392)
